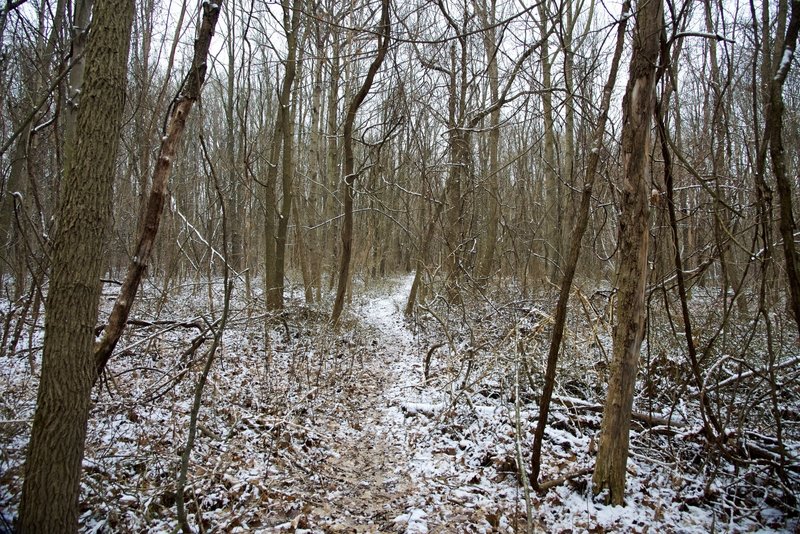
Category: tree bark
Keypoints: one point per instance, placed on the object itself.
(80, 32)
(777, 156)
(637, 110)
(53, 465)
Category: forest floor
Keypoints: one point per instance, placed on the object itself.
(309, 430)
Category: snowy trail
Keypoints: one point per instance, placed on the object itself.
(418, 480)
(386, 314)
(443, 492)
(372, 484)
(389, 456)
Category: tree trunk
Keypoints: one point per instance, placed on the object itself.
(316, 171)
(574, 251)
(777, 155)
(284, 135)
(423, 254)
(53, 466)
(236, 210)
(291, 21)
(332, 153)
(637, 111)
(349, 164)
(79, 31)
(180, 108)
(493, 189)
(270, 207)
(552, 196)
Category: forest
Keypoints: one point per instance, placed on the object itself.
(399, 266)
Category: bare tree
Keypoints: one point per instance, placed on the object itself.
(637, 110)
(175, 125)
(283, 137)
(774, 133)
(573, 255)
(349, 169)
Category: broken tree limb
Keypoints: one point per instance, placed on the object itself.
(546, 485)
(647, 419)
(174, 127)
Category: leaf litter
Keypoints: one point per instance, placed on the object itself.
(307, 430)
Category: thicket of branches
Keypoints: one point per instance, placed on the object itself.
(470, 157)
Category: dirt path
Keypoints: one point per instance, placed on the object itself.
(367, 481)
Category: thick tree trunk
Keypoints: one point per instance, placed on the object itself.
(53, 466)
(637, 109)
(787, 224)
(459, 142)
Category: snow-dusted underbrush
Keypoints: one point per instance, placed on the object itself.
(412, 425)
(747, 478)
(257, 425)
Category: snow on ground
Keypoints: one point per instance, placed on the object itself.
(309, 430)
(461, 457)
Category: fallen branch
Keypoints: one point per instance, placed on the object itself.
(761, 452)
(754, 372)
(648, 419)
(547, 484)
